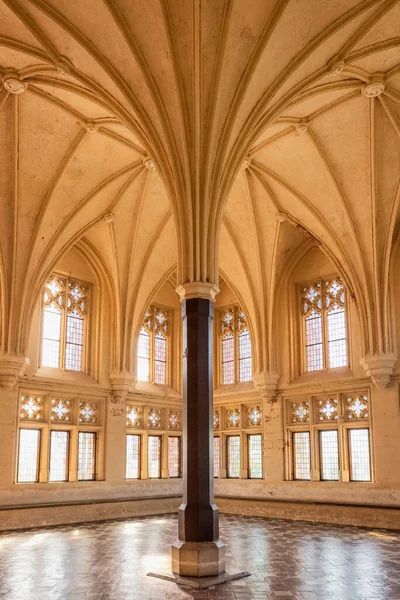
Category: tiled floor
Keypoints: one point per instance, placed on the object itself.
(109, 561)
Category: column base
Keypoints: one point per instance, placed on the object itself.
(198, 559)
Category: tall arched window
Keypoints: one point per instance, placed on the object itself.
(152, 357)
(324, 324)
(65, 306)
(235, 346)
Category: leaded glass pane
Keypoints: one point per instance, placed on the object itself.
(86, 456)
(301, 455)
(217, 456)
(329, 453)
(28, 455)
(154, 456)
(255, 456)
(233, 456)
(133, 456)
(59, 449)
(174, 456)
(360, 460)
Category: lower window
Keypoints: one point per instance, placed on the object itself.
(174, 456)
(133, 456)
(59, 455)
(154, 456)
(86, 456)
(255, 456)
(359, 455)
(301, 455)
(233, 456)
(329, 454)
(28, 455)
(217, 456)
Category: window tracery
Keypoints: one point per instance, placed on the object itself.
(324, 319)
(216, 419)
(328, 410)
(31, 408)
(88, 412)
(65, 306)
(235, 346)
(300, 412)
(152, 359)
(61, 410)
(254, 416)
(155, 418)
(175, 419)
(134, 416)
(357, 407)
(232, 418)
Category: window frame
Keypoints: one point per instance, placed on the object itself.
(228, 436)
(140, 458)
(63, 328)
(315, 426)
(249, 435)
(38, 460)
(74, 427)
(151, 331)
(68, 431)
(95, 455)
(221, 335)
(324, 325)
(160, 437)
(179, 437)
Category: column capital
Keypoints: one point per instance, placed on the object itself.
(122, 384)
(12, 367)
(197, 289)
(379, 367)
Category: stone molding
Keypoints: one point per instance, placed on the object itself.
(379, 367)
(122, 384)
(197, 289)
(11, 369)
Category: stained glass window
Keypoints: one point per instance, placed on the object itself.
(324, 310)
(154, 456)
(28, 455)
(174, 456)
(86, 456)
(301, 455)
(360, 460)
(133, 456)
(59, 450)
(233, 456)
(134, 416)
(64, 323)
(329, 454)
(152, 357)
(217, 456)
(236, 354)
(255, 456)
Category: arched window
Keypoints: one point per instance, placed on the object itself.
(152, 357)
(324, 324)
(65, 308)
(235, 346)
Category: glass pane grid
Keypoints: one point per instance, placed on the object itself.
(74, 345)
(59, 445)
(217, 456)
(86, 456)
(314, 350)
(51, 337)
(245, 366)
(228, 355)
(28, 455)
(174, 456)
(301, 451)
(360, 465)
(255, 456)
(132, 456)
(329, 455)
(337, 345)
(154, 456)
(233, 445)
(160, 360)
(143, 373)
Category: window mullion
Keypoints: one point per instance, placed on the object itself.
(63, 333)
(324, 328)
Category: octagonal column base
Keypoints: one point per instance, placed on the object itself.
(198, 559)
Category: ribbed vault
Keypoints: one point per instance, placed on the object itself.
(264, 120)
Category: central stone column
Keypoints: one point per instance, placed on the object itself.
(198, 551)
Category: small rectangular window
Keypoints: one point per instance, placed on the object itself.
(133, 456)
(174, 456)
(154, 456)
(217, 456)
(255, 456)
(86, 456)
(59, 451)
(301, 455)
(360, 460)
(233, 456)
(329, 453)
(28, 456)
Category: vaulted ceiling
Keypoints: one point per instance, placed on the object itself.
(199, 135)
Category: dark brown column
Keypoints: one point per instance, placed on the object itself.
(198, 515)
